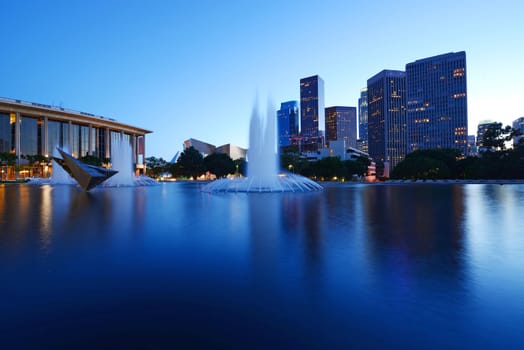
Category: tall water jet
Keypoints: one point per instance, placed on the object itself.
(262, 164)
(121, 161)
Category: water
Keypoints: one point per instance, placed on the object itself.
(354, 266)
(262, 166)
(59, 176)
(121, 161)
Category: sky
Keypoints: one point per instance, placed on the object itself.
(196, 69)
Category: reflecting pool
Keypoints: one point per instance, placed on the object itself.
(417, 266)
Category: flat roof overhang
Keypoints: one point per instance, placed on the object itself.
(33, 109)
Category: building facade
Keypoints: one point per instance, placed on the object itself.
(483, 126)
(287, 122)
(311, 112)
(363, 115)
(234, 152)
(29, 130)
(204, 148)
(341, 124)
(437, 107)
(387, 119)
(472, 146)
(518, 124)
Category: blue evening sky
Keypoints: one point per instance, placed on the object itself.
(194, 68)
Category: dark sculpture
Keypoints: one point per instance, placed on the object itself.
(87, 176)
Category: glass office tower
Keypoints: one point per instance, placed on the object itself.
(311, 112)
(287, 122)
(363, 115)
(518, 124)
(341, 124)
(387, 119)
(437, 113)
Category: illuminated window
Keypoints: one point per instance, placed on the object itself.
(458, 72)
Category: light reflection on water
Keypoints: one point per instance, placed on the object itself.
(371, 266)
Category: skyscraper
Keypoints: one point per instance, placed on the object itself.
(484, 125)
(437, 113)
(518, 124)
(287, 122)
(341, 124)
(363, 115)
(387, 119)
(311, 112)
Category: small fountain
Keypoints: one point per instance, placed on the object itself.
(262, 171)
(122, 168)
(59, 176)
(122, 161)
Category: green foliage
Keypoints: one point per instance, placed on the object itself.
(328, 168)
(7, 158)
(35, 158)
(444, 164)
(357, 167)
(155, 166)
(240, 166)
(91, 160)
(189, 164)
(295, 164)
(325, 168)
(496, 136)
(427, 164)
(219, 164)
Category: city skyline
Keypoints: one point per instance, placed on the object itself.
(195, 70)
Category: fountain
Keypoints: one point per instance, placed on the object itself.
(87, 176)
(121, 168)
(122, 161)
(59, 176)
(262, 171)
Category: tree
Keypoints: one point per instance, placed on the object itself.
(189, 164)
(7, 158)
(358, 166)
(219, 164)
(240, 166)
(91, 160)
(295, 164)
(496, 136)
(427, 164)
(155, 166)
(34, 158)
(329, 168)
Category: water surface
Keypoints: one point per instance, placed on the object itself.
(355, 266)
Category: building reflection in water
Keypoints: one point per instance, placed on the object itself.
(67, 213)
(416, 234)
(282, 223)
(265, 238)
(302, 217)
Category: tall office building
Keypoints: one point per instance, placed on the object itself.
(472, 146)
(363, 115)
(484, 125)
(287, 122)
(387, 119)
(518, 124)
(341, 124)
(311, 112)
(437, 105)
